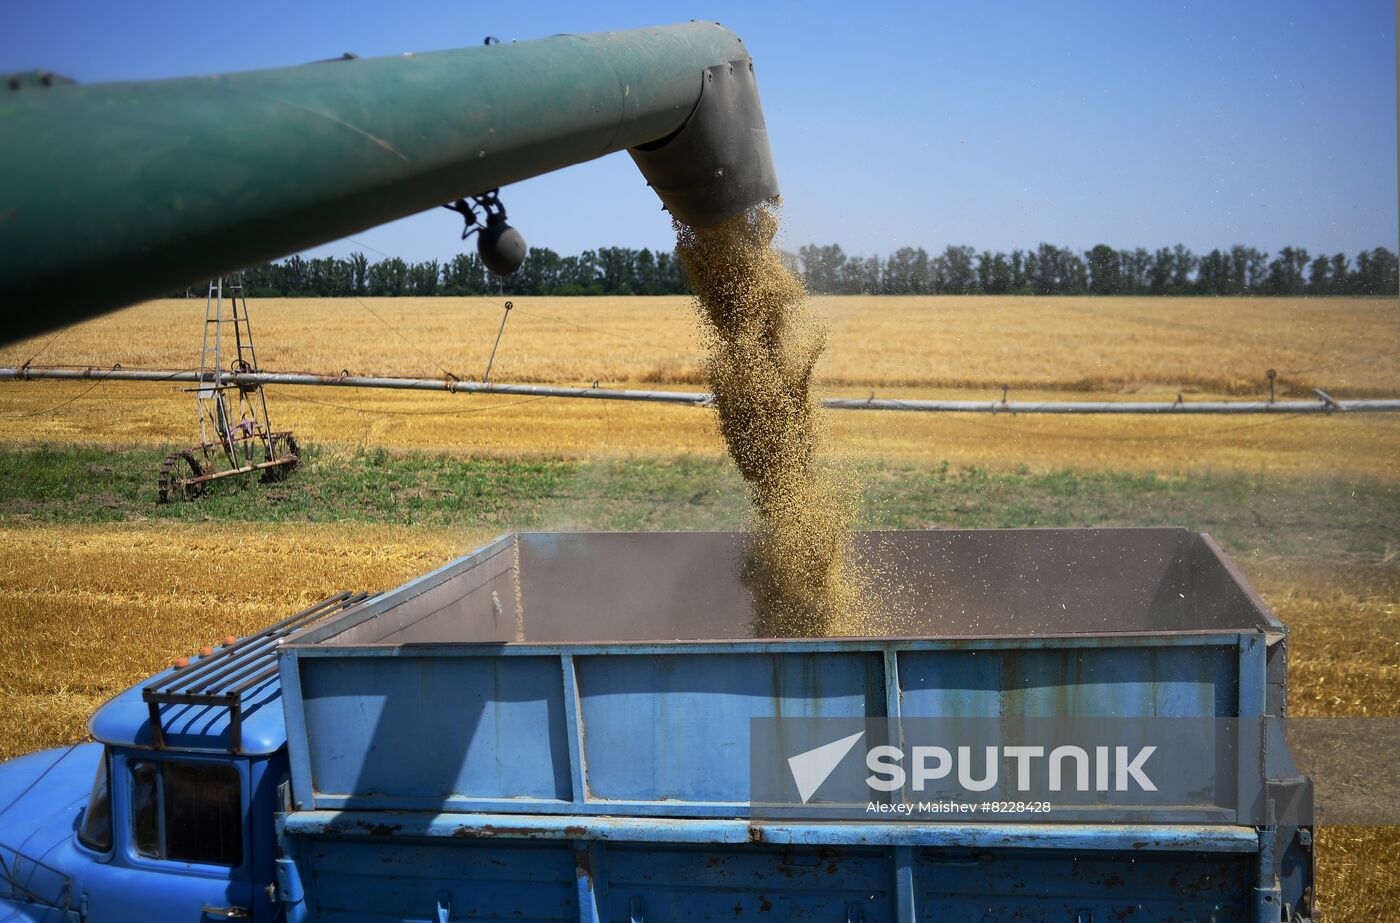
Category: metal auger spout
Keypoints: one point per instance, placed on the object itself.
(113, 193)
(718, 163)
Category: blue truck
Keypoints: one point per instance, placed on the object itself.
(557, 727)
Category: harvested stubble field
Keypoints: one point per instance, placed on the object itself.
(87, 610)
(1310, 507)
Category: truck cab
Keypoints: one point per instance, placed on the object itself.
(171, 814)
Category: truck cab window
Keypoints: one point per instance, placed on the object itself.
(96, 830)
(187, 812)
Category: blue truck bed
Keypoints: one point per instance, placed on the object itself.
(557, 727)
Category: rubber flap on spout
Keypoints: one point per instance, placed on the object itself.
(718, 163)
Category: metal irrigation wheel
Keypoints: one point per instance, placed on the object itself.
(284, 445)
(177, 474)
(293, 450)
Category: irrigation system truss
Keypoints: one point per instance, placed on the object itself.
(1324, 403)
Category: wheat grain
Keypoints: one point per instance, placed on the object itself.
(761, 349)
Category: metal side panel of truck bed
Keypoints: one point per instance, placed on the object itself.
(557, 726)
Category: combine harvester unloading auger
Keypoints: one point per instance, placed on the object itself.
(115, 193)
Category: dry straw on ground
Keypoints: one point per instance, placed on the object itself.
(87, 610)
(1344, 660)
(1344, 657)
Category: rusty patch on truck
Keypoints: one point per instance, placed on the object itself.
(488, 831)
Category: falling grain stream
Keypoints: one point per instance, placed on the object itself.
(761, 348)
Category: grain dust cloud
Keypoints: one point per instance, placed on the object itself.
(761, 347)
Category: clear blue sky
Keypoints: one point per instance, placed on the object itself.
(993, 124)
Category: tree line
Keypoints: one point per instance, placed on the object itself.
(1102, 270)
(605, 271)
(958, 270)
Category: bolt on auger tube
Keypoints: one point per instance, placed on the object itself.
(117, 192)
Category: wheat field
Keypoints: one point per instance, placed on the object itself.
(1123, 345)
(958, 348)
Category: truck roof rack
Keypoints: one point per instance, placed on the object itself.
(220, 679)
